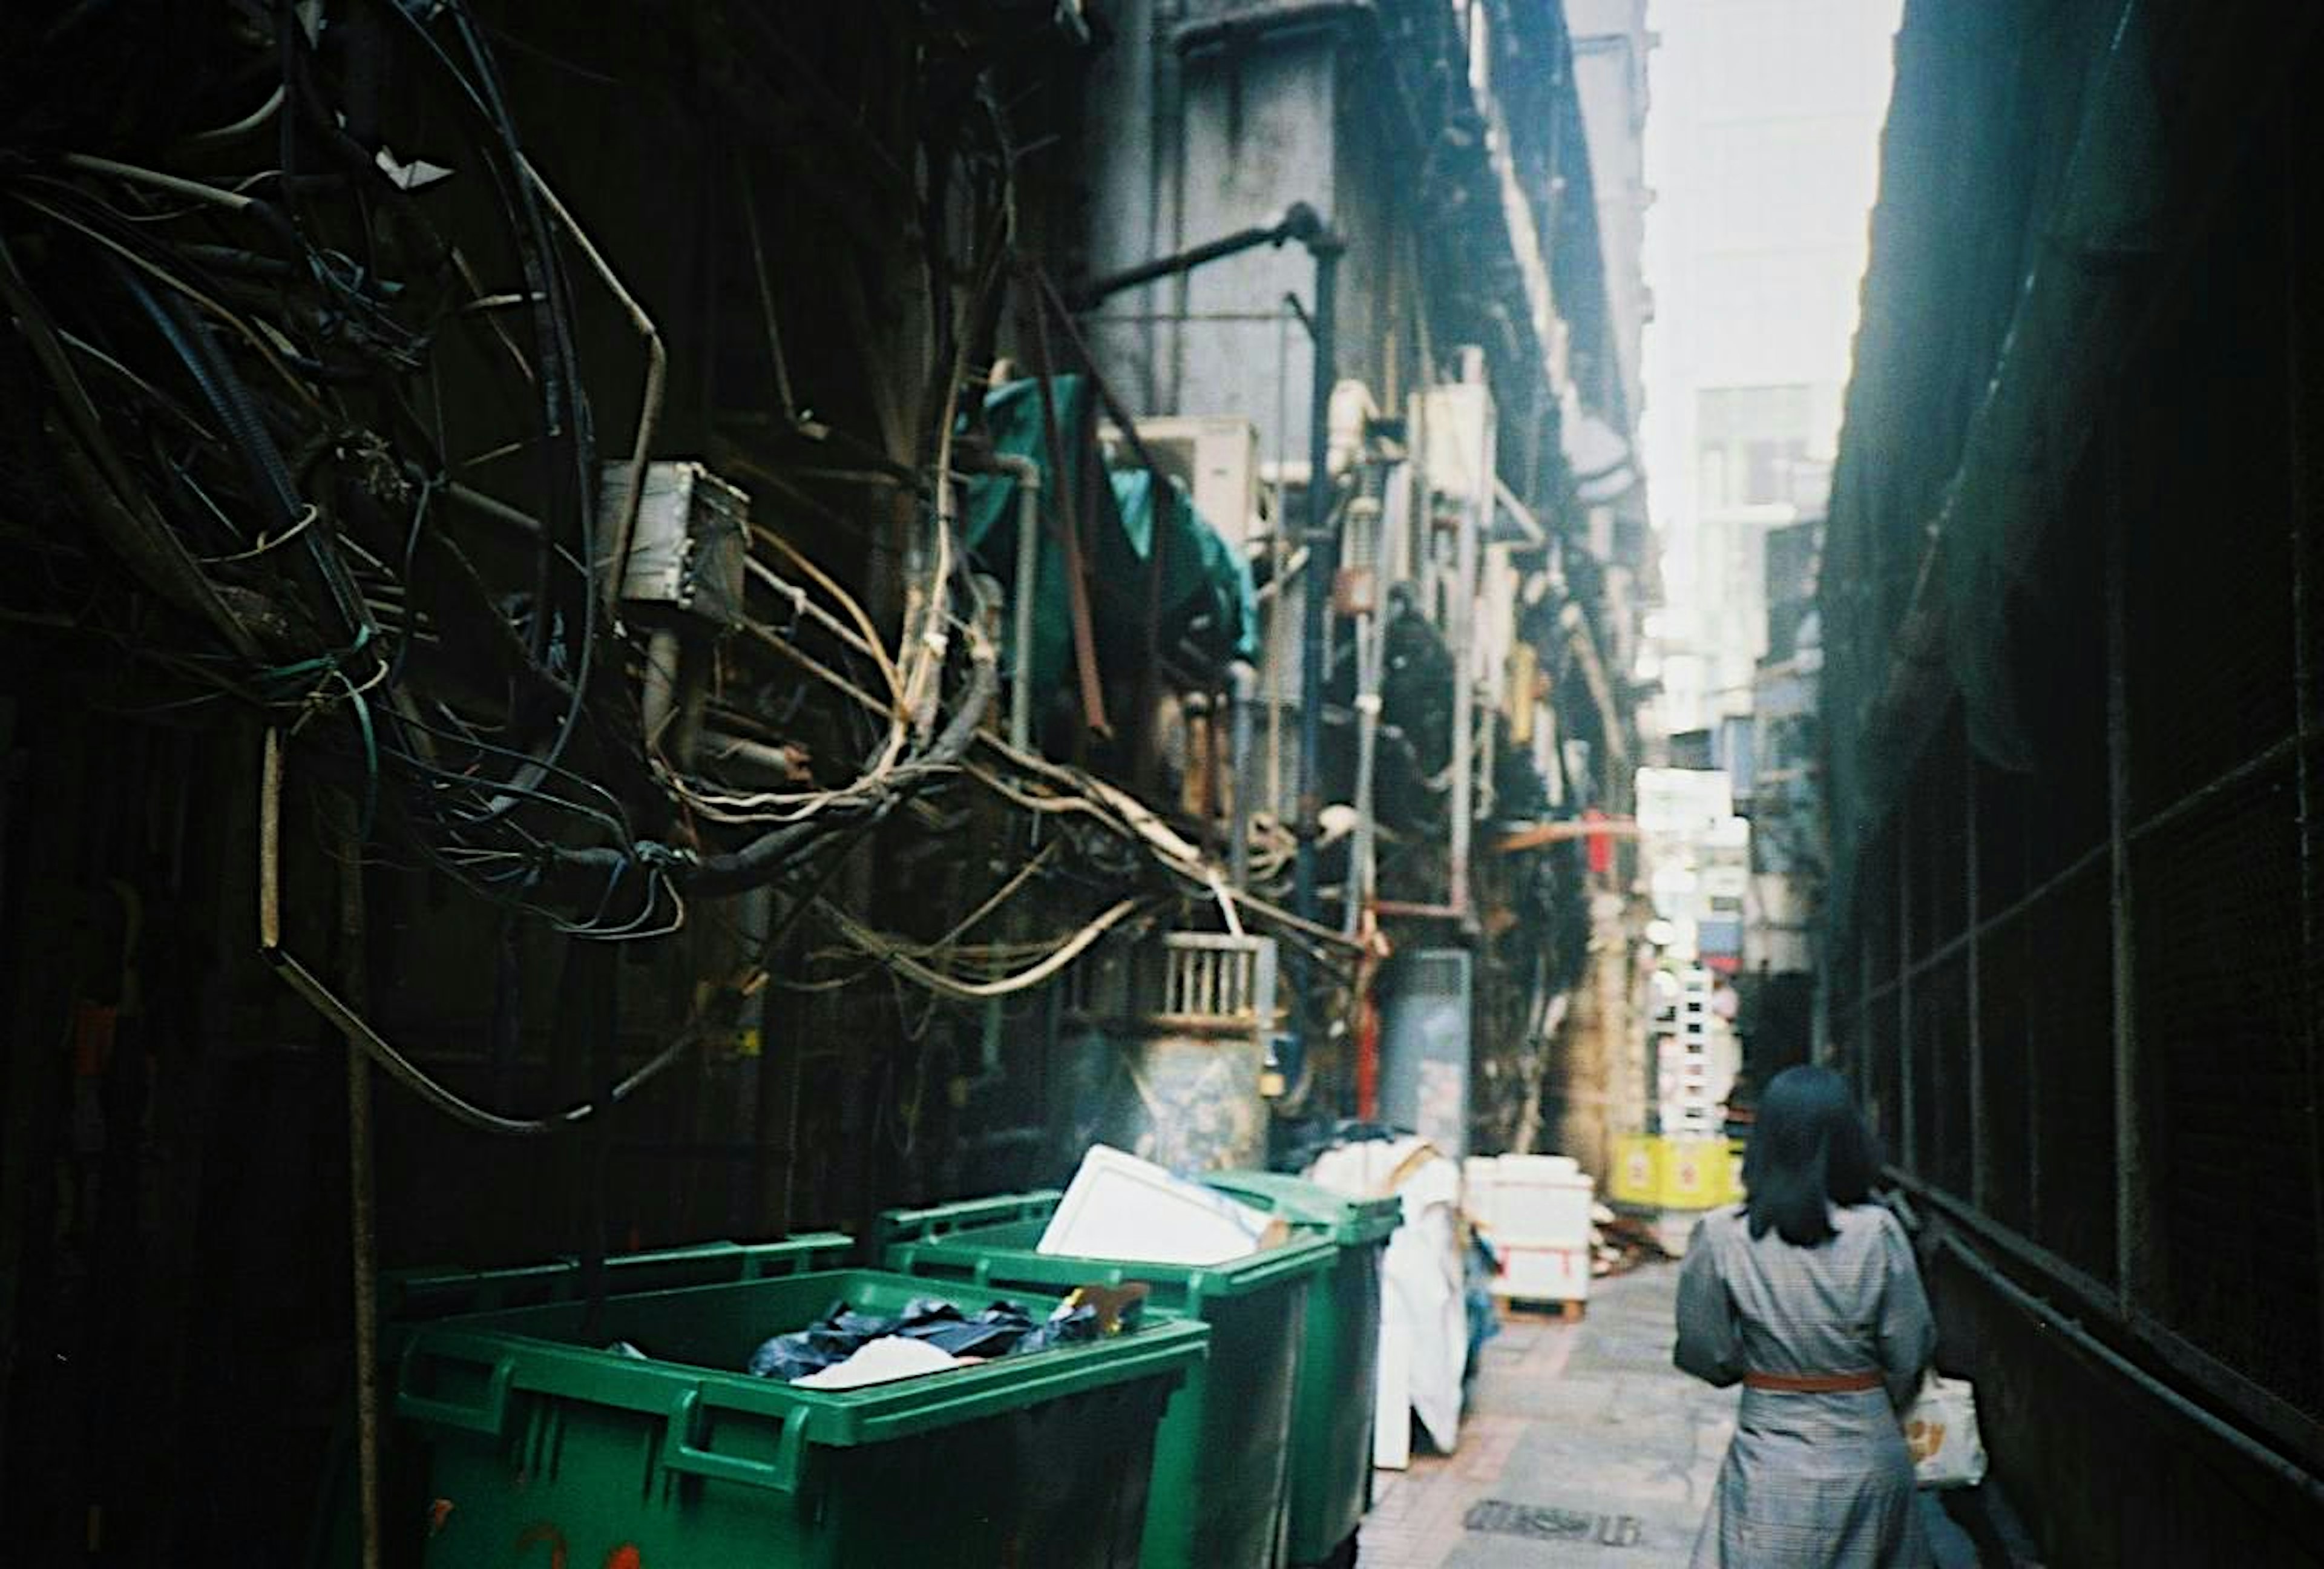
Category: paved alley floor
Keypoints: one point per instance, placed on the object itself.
(1582, 1445)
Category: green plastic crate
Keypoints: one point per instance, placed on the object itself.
(540, 1445)
(1331, 1413)
(1220, 1462)
(411, 1296)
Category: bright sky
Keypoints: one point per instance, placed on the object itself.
(1763, 152)
(1762, 149)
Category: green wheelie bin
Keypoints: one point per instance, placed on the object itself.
(1332, 1412)
(1222, 1459)
(409, 1297)
(543, 1445)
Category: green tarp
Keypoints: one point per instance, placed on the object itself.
(1205, 595)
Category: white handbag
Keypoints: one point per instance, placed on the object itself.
(1941, 1431)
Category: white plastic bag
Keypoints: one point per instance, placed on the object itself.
(1941, 1431)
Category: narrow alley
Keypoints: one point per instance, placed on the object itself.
(1162, 784)
(1583, 1445)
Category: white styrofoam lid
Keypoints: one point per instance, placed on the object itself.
(1118, 1206)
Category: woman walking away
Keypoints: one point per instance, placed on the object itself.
(1807, 1295)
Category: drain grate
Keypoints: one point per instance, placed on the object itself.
(1547, 1523)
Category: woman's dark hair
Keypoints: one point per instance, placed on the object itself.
(1809, 1150)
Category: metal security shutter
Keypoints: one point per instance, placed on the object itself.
(1424, 1046)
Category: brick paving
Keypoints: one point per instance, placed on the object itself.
(1581, 1443)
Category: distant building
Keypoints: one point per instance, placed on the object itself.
(1764, 159)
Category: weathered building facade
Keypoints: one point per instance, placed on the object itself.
(1447, 148)
(522, 738)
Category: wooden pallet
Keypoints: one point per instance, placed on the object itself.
(1542, 1311)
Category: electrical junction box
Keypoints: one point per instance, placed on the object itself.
(687, 550)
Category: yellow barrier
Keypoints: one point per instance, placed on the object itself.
(1670, 1171)
(1638, 1175)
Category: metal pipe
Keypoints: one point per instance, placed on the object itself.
(1462, 616)
(1461, 803)
(1583, 643)
(1027, 475)
(659, 701)
(1370, 637)
(1488, 742)
(777, 764)
(1299, 222)
(1242, 693)
(1323, 567)
(2286, 1471)
(362, 1221)
(1065, 515)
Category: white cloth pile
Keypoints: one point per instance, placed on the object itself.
(1424, 1316)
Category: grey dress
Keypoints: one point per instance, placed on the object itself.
(1811, 1481)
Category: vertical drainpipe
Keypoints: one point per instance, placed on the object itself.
(1473, 518)
(1365, 518)
(1027, 475)
(1390, 544)
(1315, 597)
(1242, 691)
(1474, 521)
(1464, 713)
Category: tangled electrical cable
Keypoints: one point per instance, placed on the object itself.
(321, 401)
(271, 398)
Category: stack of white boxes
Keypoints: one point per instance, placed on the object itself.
(1697, 1067)
(1534, 1210)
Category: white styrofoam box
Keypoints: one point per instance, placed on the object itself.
(1540, 1201)
(1392, 1423)
(1544, 1274)
(1478, 1177)
(1538, 1167)
(1118, 1206)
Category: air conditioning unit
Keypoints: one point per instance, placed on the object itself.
(1168, 1050)
(1214, 982)
(1185, 982)
(1215, 457)
(1456, 433)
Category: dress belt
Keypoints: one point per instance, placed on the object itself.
(1812, 1383)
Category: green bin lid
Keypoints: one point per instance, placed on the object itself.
(1353, 1223)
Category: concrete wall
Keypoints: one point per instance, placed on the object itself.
(1186, 147)
(1610, 43)
(1182, 150)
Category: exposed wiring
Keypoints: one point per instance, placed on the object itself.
(897, 957)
